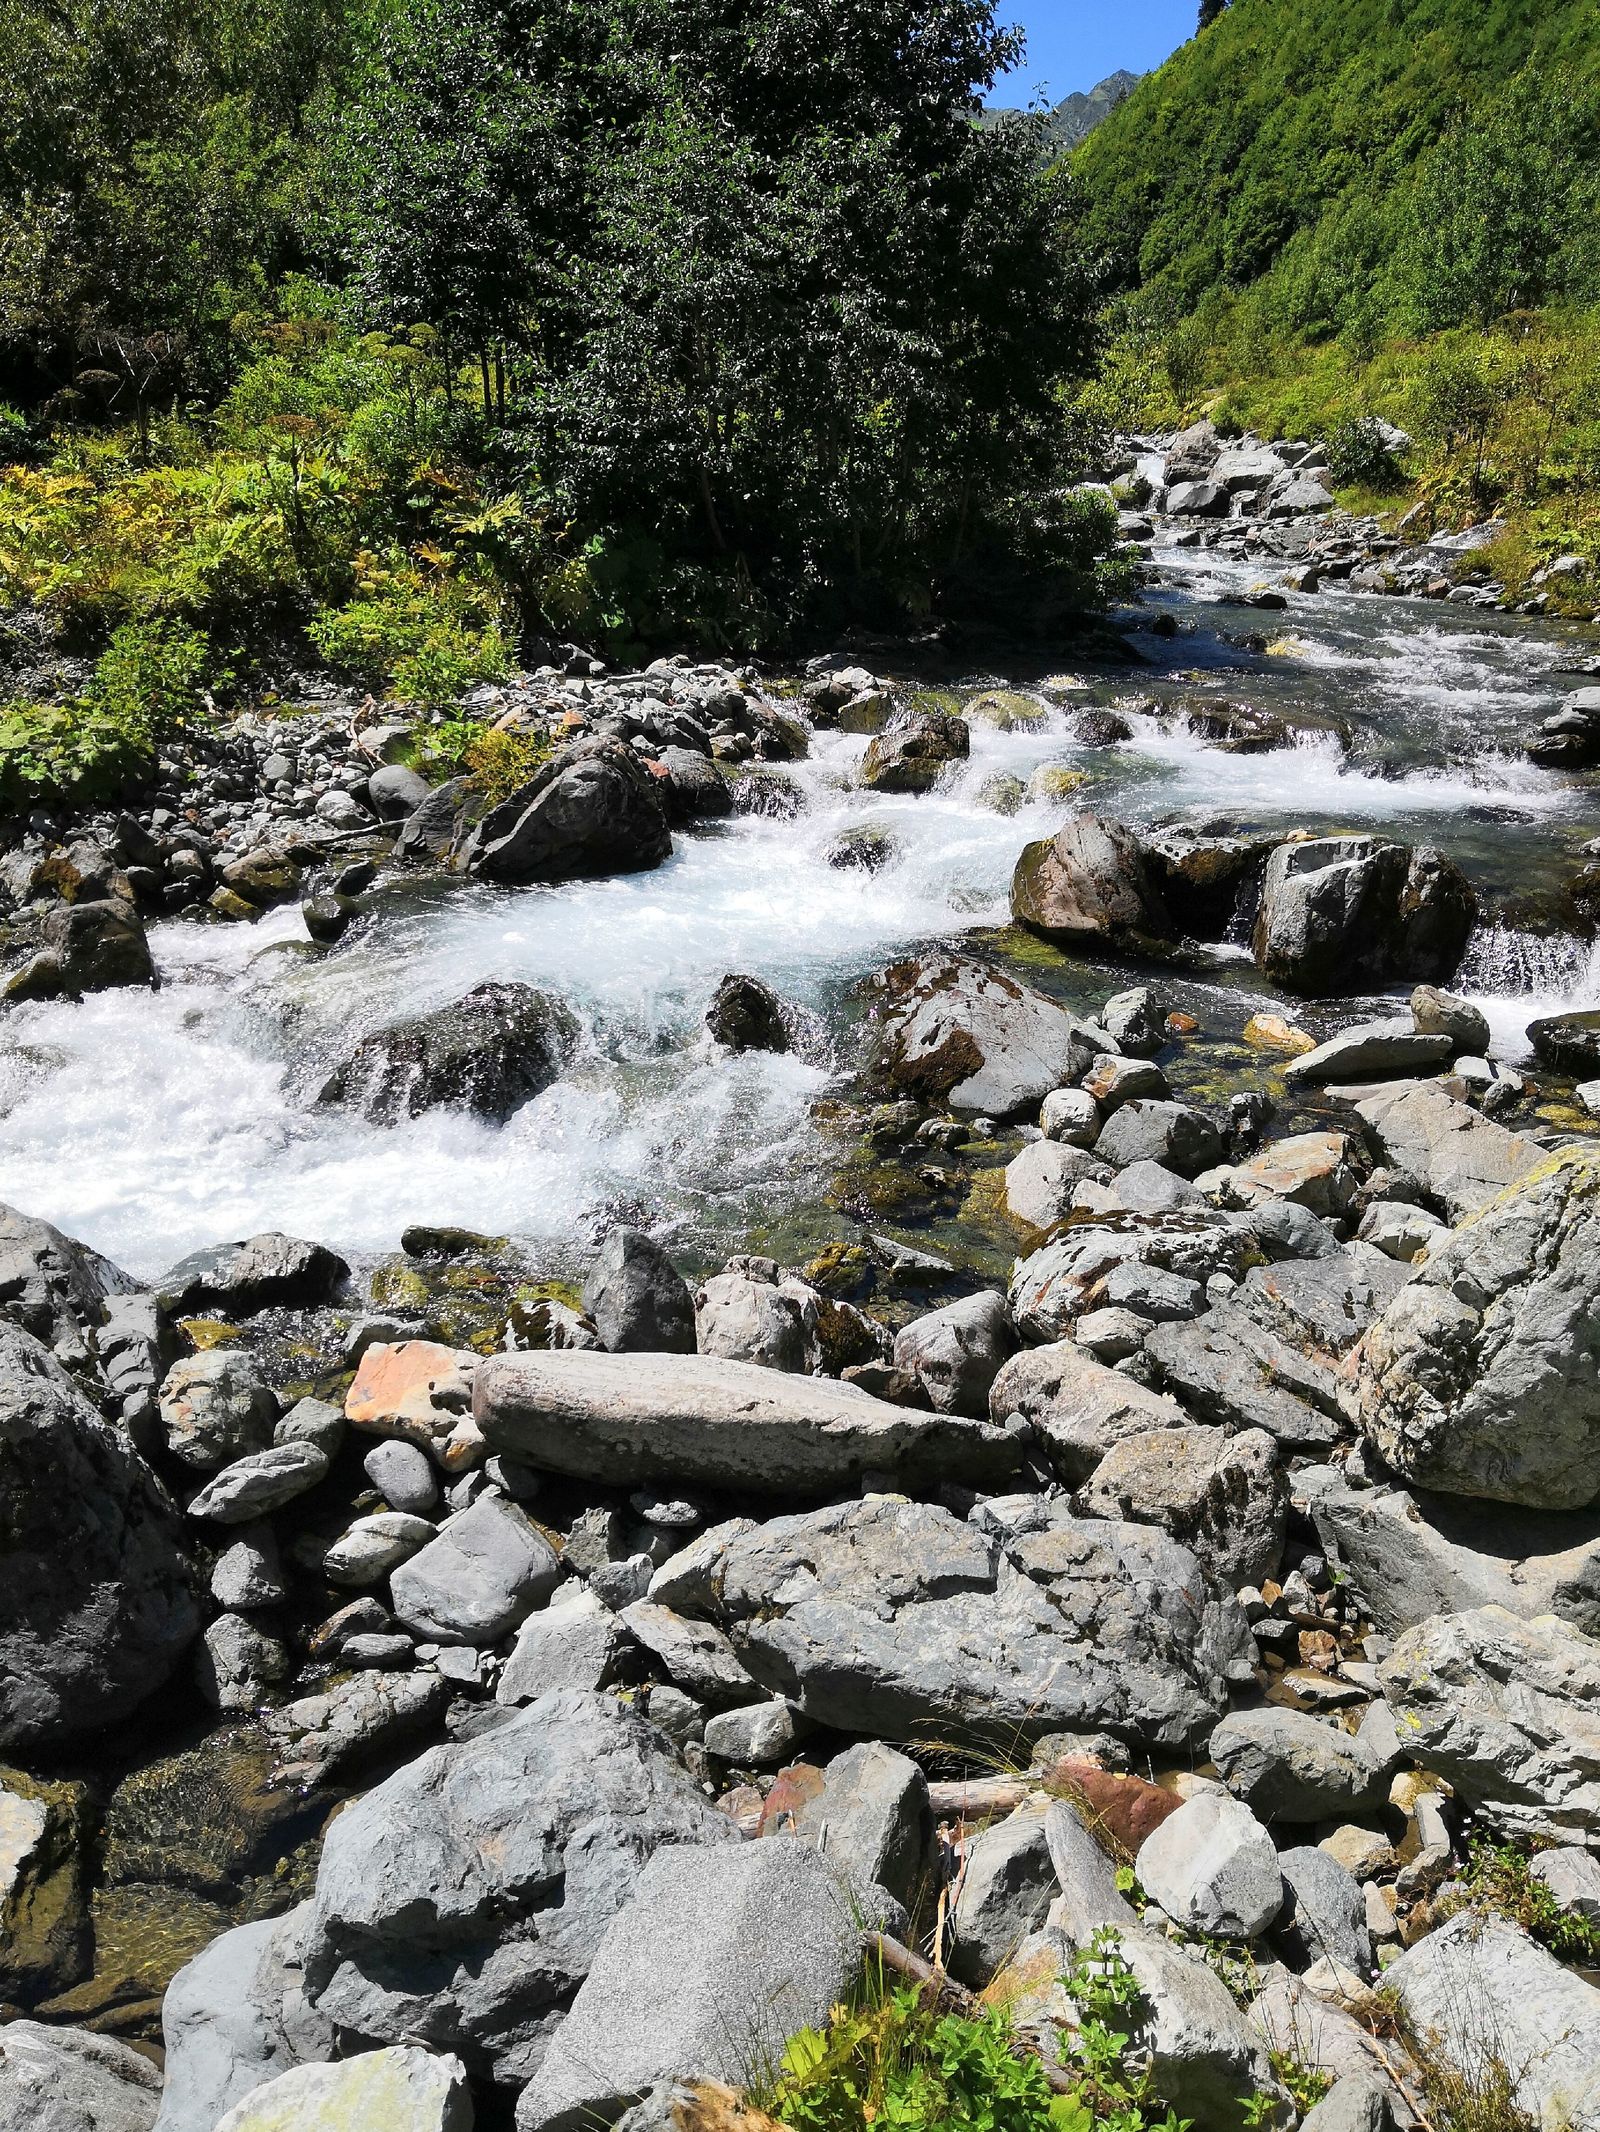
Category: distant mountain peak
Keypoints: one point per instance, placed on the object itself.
(1077, 115)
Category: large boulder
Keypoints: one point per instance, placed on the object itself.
(593, 810)
(395, 2090)
(460, 1903)
(623, 1419)
(747, 1015)
(637, 1297)
(266, 1272)
(52, 1286)
(892, 1617)
(1290, 1766)
(1457, 1155)
(912, 750)
(1482, 1377)
(869, 1811)
(1568, 1043)
(485, 1573)
(490, 1051)
(215, 1408)
(97, 1596)
(1078, 1409)
(233, 2017)
(1495, 2007)
(955, 1031)
(1341, 912)
(1090, 885)
(1224, 1496)
(955, 1353)
(87, 947)
(1213, 1868)
(764, 1939)
(1508, 1711)
(68, 2080)
(1408, 1555)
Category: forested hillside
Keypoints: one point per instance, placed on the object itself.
(1328, 211)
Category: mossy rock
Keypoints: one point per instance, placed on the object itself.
(401, 1287)
(1006, 708)
(203, 1334)
(1003, 793)
(935, 699)
(845, 1270)
(1056, 781)
(46, 1944)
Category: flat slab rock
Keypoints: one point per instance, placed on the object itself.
(891, 1617)
(957, 1031)
(623, 1419)
(1463, 1158)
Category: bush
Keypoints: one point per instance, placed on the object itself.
(422, 637)
(152, 681)
(497, 763)
(1359, 458)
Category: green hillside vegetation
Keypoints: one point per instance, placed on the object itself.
(1311, 214)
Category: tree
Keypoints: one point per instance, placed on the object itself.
(1209, 11)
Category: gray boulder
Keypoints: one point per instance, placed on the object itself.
(1150, 1129)
(266, 1272)
(1093, 884)
(233, 2017)
(1439, 1013)
(637, 1297)
(1324, 1916)
(1077, 1407)
(53, 1287)
(1290, 1766)
(1482, 1377)
(1224, 1497)
(395, 791)
(887, 1616)
(625, 1419)
(955, 1353)
(396, 2090)
(460, 1903)
(574, 1642)
(1042, 1181)
(871, 1816)
(56, 2079)
(592, 810)
(1493, 2003)
(694, 1655)
(1007, 1884)
(1226, 1368)
(1371, 1051)
(1409, 1555)
(1341, 912)
(955, 1031)
(259, 1483)
(1508, 1711)
(1212, 1867)
(488, 1052)
(764, 1939)
(237, 1664)
(743, 1317)
(403, 1475)
(97, 1596)
(486, 1572)
(1459, 1157)
(1291, 2018)
(90, 947)
(215, 1409)
(1573, 1878)
(1056, 1285)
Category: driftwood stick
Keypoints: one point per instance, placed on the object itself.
(977, 1798)
(915, 1970)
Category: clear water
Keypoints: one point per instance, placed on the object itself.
(151, 1124)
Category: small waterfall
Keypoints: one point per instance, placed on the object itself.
(1504, 961)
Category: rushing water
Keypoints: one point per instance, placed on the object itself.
(151, 1124)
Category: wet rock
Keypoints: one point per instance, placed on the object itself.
(1371, 1051)
(260, 1483)
(1078, 1408)
(487, 1570)
(97, 1597)
(746, 1015)
(955, 1353)
(262, 877)
(735, 1984)
(913, 749)
(1458, 1156)
(1290, 1766)
(892, 1616)
(637, 1298)
(1493, 2004)
(1340, 912)
(328, 918)
(421, 1393)
(87, 947)
(1569, 739)
(1406, 1556)
(53, 1287)
(55, 2079)
(957, 1032)
(866, 848)
(489, 1052)
(1212, 1867)
(694, 789)
(460, 1903)
(215, 1408)
(1508, 1711)
(266, 1272)
(1567, 1043)
(46, 1942)
(1438, 1013)
(1090, 885)
(396, 2090)
(1482, 1377)
(869, 1814)
(1224, 1497)
(625, 1419)
(593, 810)
(360, 1718)
(1007, 1884)
(1177, 1136)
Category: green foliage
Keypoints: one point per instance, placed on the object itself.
(1359, 457)
(423, 636)
(152, 681)
(1499, 1882)
(1106, 1992)
(496, 763)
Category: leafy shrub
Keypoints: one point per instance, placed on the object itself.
(152, 681)
(425, 638)
(1359, 458)
(497, 763)
(1499, 1881)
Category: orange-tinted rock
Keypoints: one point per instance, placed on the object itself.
(1124, 1808)
(792, 1789)
(421, 1392)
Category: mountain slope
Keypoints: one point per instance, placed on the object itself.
(1077, 115)
(1286, 113)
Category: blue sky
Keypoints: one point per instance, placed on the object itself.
(1072, 44)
